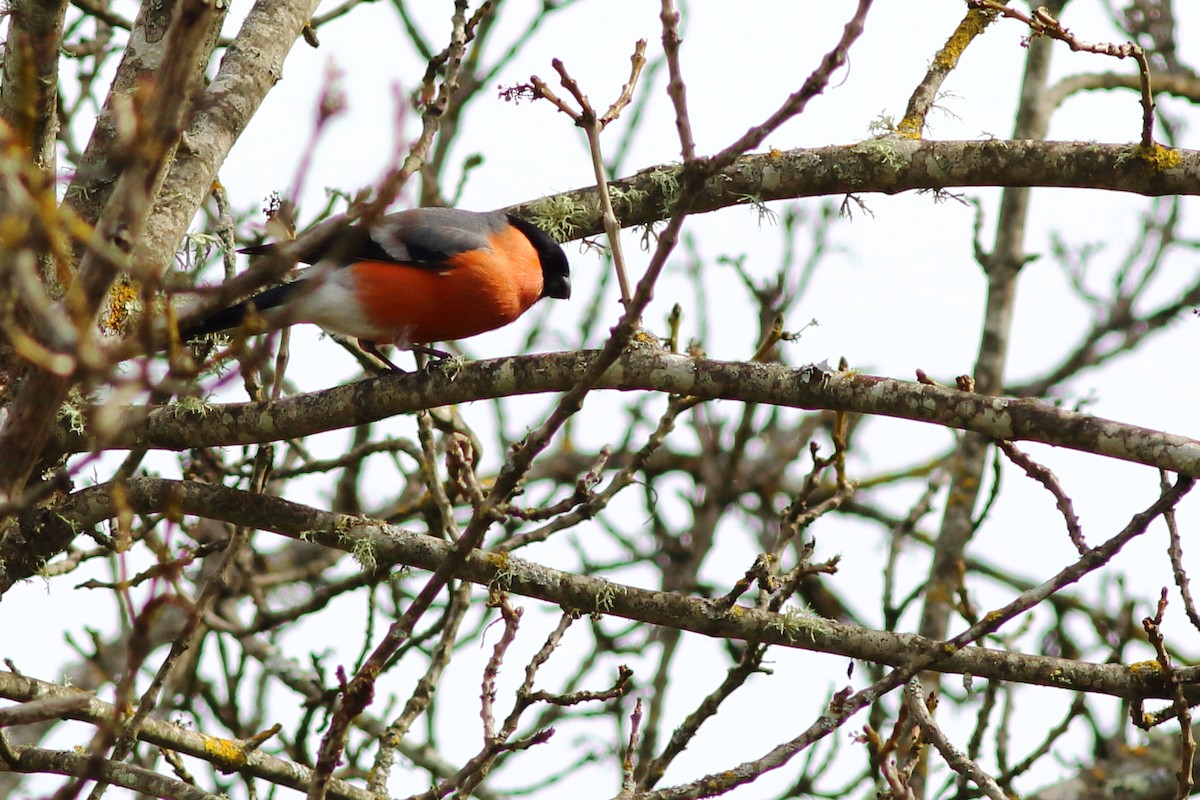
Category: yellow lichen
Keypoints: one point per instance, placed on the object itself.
(227, 755)
(1158, 157)
(642, 338)
(1145, 668)
(971, 26)
(1155, 156)
(910, 127)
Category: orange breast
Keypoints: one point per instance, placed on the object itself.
(478, 291)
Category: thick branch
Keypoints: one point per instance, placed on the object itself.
(889, 165)
(251, 67)
(225, 754)
(393, 546)
(159, 124)
(30, 76)
(810, 387)
(143, 62)
(128, 776)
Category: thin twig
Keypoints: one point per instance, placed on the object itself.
(957, 760)
(1042, 23)
(1048, 479)
(676, 88)
(585, 117)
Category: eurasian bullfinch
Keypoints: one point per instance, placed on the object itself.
(412, 278)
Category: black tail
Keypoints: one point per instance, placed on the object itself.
(233, 317)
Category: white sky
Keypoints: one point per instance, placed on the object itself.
(903, 294)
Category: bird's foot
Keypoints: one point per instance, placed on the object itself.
(370, 347)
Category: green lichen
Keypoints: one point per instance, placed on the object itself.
(791, 622)
(765, 214)
(626, 199)
(604, 598)
(502, 580)
(881, 125)
(71, 412)
(884, 149)
(666, 181)
(560, 216)
(198, 246)
(190, 405)
(362, 550)
(451, 367)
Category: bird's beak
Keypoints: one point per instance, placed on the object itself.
(558, 287)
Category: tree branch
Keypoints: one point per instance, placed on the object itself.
(809, 387)
(889, 165)
(392, 546)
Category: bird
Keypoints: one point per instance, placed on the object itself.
(410, 278)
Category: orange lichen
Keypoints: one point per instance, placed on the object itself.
(122, 304)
